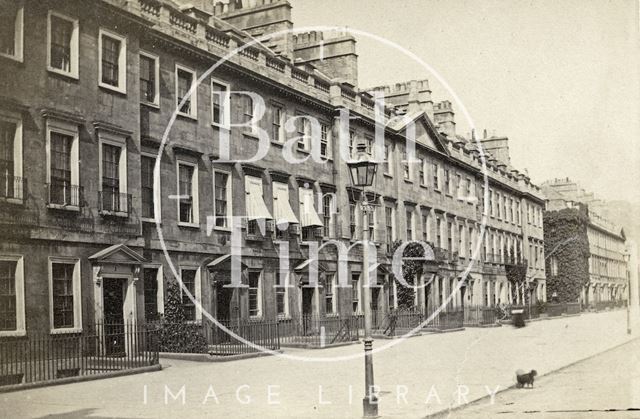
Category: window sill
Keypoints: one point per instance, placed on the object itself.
(437, 190)
(59, 72)
(117, 214)
(13, 201)
(222, 230)
(188, 225)
(71, 208)
(251, 134)
(15, 59)
(68, 330)
(408, 180)
(221, 127)
(13, 333)
(154, 106)
(422, 185)
(277, 143)
(187, 116)
(114, 89)
(388, 175)
(150, 221)
(255, 238)
(303, 151)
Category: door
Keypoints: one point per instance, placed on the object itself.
(375, 296)
(223, 296)
(114, 327)
(427, 299)
(307, 309)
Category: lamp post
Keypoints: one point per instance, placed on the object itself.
(363, 171)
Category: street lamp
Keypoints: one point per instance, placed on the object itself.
(363, 171)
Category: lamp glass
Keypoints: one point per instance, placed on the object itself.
(362, 169)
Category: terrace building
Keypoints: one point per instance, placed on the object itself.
(605, 279)
(93, 202)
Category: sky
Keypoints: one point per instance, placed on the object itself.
(559, 78)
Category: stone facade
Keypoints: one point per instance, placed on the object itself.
(87, 95)
(607, 269)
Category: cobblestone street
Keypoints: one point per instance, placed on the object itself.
(420, 376)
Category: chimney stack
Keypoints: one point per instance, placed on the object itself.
(258, 18)
(498, 146)
(333, 53)
(443, 116)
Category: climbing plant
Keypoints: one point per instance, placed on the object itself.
(565, 236)
(411, 271)
(177, 334)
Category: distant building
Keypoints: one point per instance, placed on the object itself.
(570, 219)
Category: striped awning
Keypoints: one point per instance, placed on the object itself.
(281, 207)
(308, 215)
(256, 208)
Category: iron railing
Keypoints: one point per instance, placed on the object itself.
(261, 333)
(318, 331)
(64, 193)
(114, 202)
(478, 315)
(609, 305)
(13, 187)
(100, 349)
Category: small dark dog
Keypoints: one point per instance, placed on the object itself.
(525, 379)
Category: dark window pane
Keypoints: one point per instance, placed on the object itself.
(60, 190)
(254, 283)
(185, 79)
(189, 282)
(62, 279)
(218, 94)
(185, 185)
(8, 14)
(151, 294)
(8, 320)
(147, 79)
(111, 177)
(61, 31)
(147, 165)
(110, 60)
(221, 203)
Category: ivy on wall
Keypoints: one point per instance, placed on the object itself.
(176, 333)
(411, 271)
(517, 274)
(565, 238)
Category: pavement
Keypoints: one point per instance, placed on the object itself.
(605, 386)
(417, 377)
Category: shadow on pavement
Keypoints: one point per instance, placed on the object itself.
(81, 413)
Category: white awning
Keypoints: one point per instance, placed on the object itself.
(305, 265)
(308, 214)
(256, 208)
(281, 207)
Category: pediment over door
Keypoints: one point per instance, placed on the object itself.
(118, 254)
